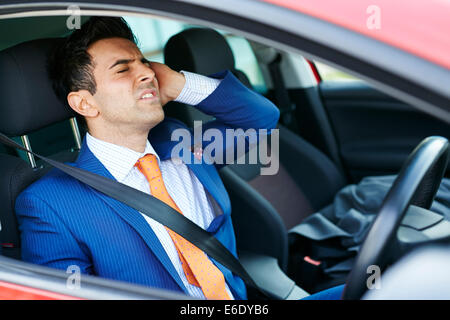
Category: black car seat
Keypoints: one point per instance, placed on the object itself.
(307, 179)
(27, 105)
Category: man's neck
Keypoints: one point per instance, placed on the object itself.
(134, 141)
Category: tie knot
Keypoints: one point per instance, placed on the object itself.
(149, 167)
(148, 158)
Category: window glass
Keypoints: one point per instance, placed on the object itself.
(245, 61)
(152, 34)
(329, 73)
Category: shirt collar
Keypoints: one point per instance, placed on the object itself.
(118, 160)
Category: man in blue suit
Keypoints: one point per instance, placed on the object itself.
(104, 77)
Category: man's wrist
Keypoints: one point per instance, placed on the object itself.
(178, 83)
(197, 87)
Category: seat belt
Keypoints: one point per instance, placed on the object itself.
(282, 99)
(155, 209)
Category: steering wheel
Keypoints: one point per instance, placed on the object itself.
(416, 184)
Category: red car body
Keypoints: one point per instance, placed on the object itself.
(420, 28)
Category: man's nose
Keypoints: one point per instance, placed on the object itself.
(145, 73)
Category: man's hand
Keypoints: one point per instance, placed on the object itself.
(170, 82)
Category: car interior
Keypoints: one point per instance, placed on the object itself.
(332, 133)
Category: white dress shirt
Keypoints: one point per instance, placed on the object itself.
(183, 186)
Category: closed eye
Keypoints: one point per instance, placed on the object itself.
(121, 71)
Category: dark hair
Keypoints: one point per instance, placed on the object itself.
(70, 65)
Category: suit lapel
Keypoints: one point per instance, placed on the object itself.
(160, 139)
(211, 181)
(206, 173)
(89, 162)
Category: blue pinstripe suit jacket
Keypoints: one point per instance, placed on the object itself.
(64, 222)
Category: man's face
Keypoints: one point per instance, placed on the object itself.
(127, 94)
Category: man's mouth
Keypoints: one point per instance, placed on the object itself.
(148, 94)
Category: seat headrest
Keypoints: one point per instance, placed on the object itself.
(200, 50)
(27, 99)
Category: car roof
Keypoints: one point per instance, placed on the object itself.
(416, 26)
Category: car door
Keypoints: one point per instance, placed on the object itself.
(374, 132)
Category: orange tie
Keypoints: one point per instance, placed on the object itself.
(197, 267)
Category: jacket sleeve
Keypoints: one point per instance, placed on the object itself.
(234, 106)
(45, 239)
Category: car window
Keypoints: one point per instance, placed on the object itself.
(246, 61)
(152, 34)
(328, 73)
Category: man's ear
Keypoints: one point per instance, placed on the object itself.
(82, 102)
